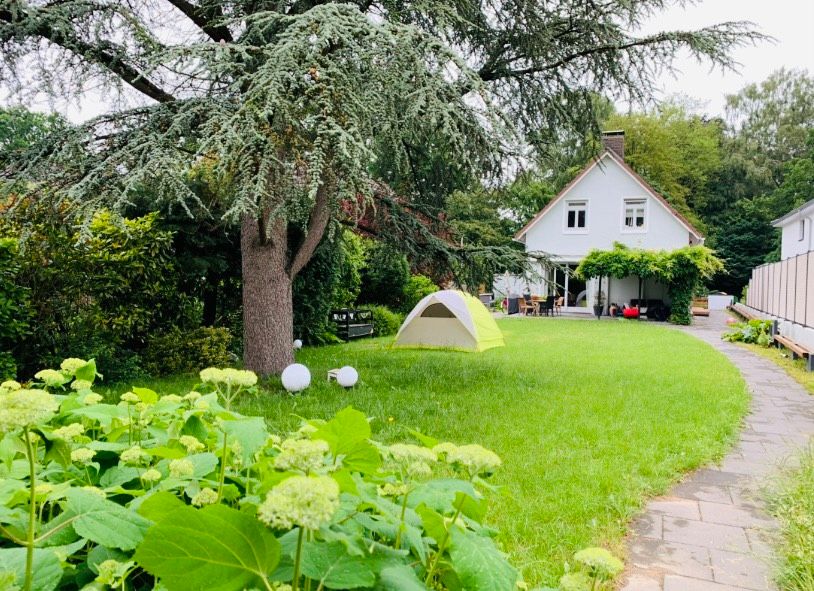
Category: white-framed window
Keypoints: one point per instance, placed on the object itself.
(802, 233)
(576, 215)
(634, 215)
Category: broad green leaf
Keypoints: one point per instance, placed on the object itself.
(440, 494)
(103, 413)
(47, 568)
(433, 522)
(332, 566)
(167, 452)
(87, 372)
(204, 463)
(159, 505)
(472, 508)
(344, 431)
(146, 395)
(400, 577)
(478, 562)
(216, 548)
(105, 522)
(195, 426)
(425, 440)
(58, 451)
(251, 433)
(118, 475)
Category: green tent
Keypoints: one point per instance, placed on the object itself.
(450, 319)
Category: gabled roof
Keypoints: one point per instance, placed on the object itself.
(796, 213)
(636, 177)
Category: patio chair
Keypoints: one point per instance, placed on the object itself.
(558, 304)
(526, 306)
(547, 306)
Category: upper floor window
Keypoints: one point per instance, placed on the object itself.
(576, 215)
(802, 235)
(635, 215)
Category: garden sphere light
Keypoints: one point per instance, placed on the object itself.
(297, 344)
(347, 377)
(296, 377)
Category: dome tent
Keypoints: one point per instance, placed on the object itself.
(450, 319)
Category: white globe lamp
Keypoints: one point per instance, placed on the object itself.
(347, 377)
(296, 377)
(297, 344)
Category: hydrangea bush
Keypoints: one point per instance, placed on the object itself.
(183, 492)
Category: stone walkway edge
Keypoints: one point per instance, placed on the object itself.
(712, 531)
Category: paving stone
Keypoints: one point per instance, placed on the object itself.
(743, 570)
(702, 491)
(671, 557)
(675, 506)
(708, 535)
(712, 532)
(638, 582)
(734, 515)
(679, 583)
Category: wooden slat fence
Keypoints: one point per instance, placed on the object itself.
(785, 289)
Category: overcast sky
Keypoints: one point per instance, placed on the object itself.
(790, 22)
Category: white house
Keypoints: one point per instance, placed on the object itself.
(796, 227)
(607, 202)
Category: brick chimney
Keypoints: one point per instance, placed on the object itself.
(615, 142)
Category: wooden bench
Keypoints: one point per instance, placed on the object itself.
(700, 307)
(743, 312)
(797, 350)
(352, 323)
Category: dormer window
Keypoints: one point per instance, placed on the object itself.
(635, 215)
(576, 215)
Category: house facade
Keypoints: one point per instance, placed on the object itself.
(606, 203)
(796, 231)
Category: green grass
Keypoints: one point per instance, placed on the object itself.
(794, 507)
(589, 417)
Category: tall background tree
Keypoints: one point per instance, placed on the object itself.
(290, 104)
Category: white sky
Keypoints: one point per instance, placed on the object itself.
(790, 22)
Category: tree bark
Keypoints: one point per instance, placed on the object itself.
(268, 331)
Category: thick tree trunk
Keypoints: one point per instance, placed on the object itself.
(267, 299)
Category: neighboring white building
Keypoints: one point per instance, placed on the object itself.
(796, 226)
(607, 202)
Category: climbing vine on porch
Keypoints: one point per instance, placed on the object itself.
(681, 270)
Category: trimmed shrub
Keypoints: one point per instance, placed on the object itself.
(417, 288)
(180, 351)
(385, 321)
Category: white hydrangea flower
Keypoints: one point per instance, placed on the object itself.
(22, 408)
(192, 396)
(71, 364)
(69, 432)
(212, 375)
(111, 572)
(239, 377)
(170, 398)
(181, 467)
(129, 398)
(83, 455)
(407, 453)
(202, 404)
(301, 454)
(10, 385)
(419, 470)
(51, 377)
(134, 455)
(83, 385)
(305, 501)
(390, 489)
(151, 475)
(92, 398)
(474, 458)
(444, 448)
(191, 443)
(206, 496)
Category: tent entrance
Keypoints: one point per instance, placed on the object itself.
(437, 310)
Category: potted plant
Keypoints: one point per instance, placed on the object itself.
(599, 304)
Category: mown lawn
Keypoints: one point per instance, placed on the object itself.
(589, 417)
